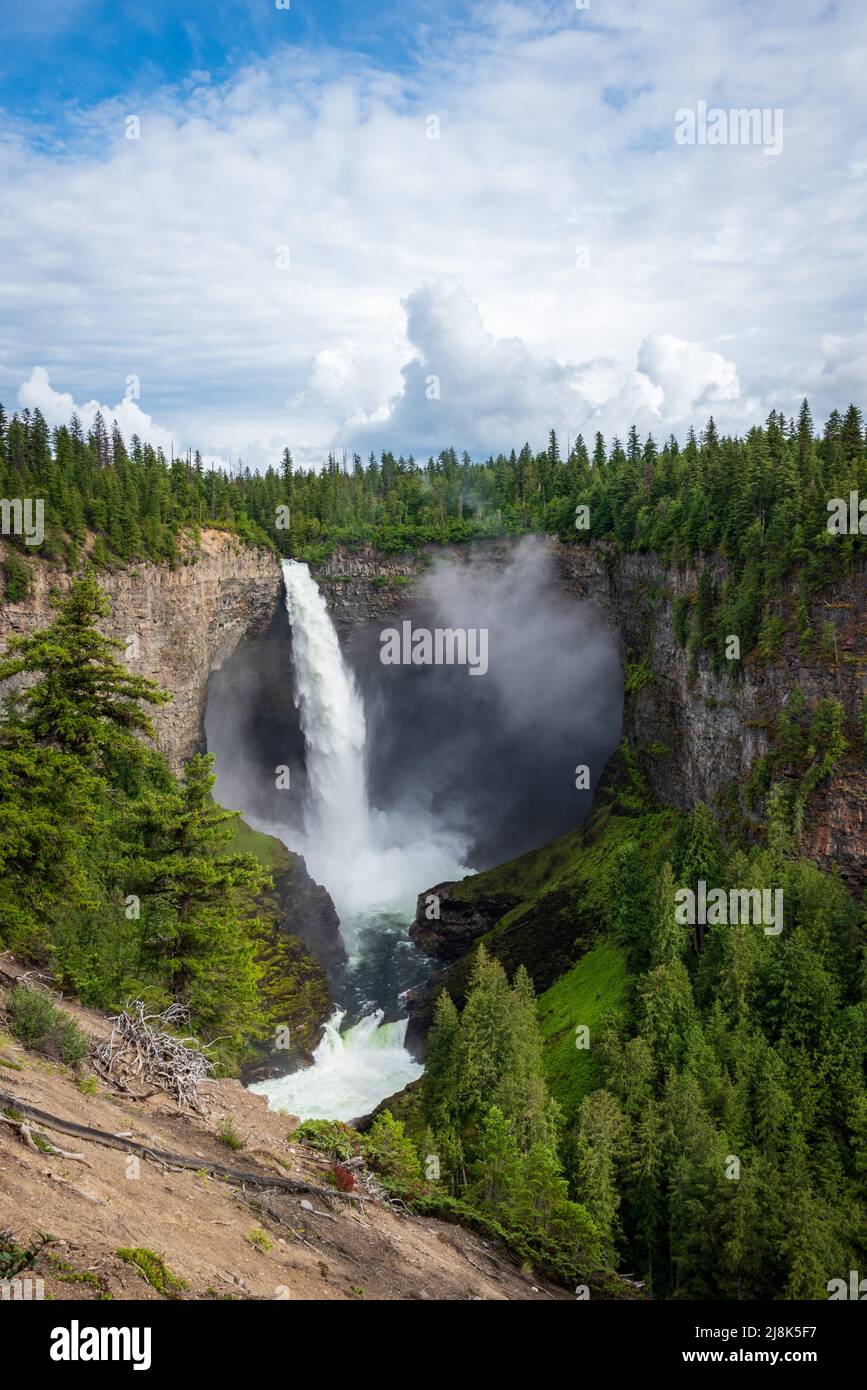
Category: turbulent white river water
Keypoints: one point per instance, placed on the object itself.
(372, 863)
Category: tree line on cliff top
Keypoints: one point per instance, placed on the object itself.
(760, 501)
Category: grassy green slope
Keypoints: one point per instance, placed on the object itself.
(565, 890)
(593, 988)
(269, 851)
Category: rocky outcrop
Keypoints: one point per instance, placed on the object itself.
(305, 910)
(362, 584)
(446, 925)
(178, 624)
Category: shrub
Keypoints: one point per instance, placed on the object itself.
(228, 1134)
(15, 1258)
(331, 1137)
(391, 1152)
(16, 578)
(37, 1022)
(342, 1178)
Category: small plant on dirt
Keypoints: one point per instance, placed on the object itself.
(260, 1241)
(88, 1085)
(37, 1022)
(65, 1273)
(153, 1269)
(15, 1258)
(228, 1134)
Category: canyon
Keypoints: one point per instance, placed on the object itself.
(696, 733)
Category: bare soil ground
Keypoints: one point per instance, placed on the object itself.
(202, 1226)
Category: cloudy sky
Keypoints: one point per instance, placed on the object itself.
(329, 205)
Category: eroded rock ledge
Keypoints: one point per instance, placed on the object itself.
(180, 624)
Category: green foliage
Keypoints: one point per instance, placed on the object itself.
(492, 1123)
(758, 501)
(37, 1022)
(153, 1269)
(806, 747)
(391, 1152)
(114, 873)
(723, 1155)
(722, 1044)
(636, 676)
(66, 1273)
(332, 1137)
(15, 1258)
(85, 697)
(16, 577)
(228, 1134)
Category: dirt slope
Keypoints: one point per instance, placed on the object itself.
(201, 1225)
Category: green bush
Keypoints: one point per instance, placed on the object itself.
(391, 1152)
(16, 578)
(331, 1137)
(153, 1269)
(37, 1022)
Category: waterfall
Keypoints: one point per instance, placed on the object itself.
(351, 1073)
(332, 714)
(373, 864)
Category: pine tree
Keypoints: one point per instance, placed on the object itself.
(84, 699)
(441, 1089)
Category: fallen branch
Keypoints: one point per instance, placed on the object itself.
(50, 1150)
(194, 1164)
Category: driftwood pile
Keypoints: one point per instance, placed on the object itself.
(143, 1046)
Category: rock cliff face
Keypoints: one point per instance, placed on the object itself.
(178, 625)
(695, 731)
(460, 922)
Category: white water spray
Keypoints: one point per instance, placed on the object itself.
(351, 1073)
(373, 864)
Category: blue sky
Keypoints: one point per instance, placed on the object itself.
(325, 210)
(90, 50)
